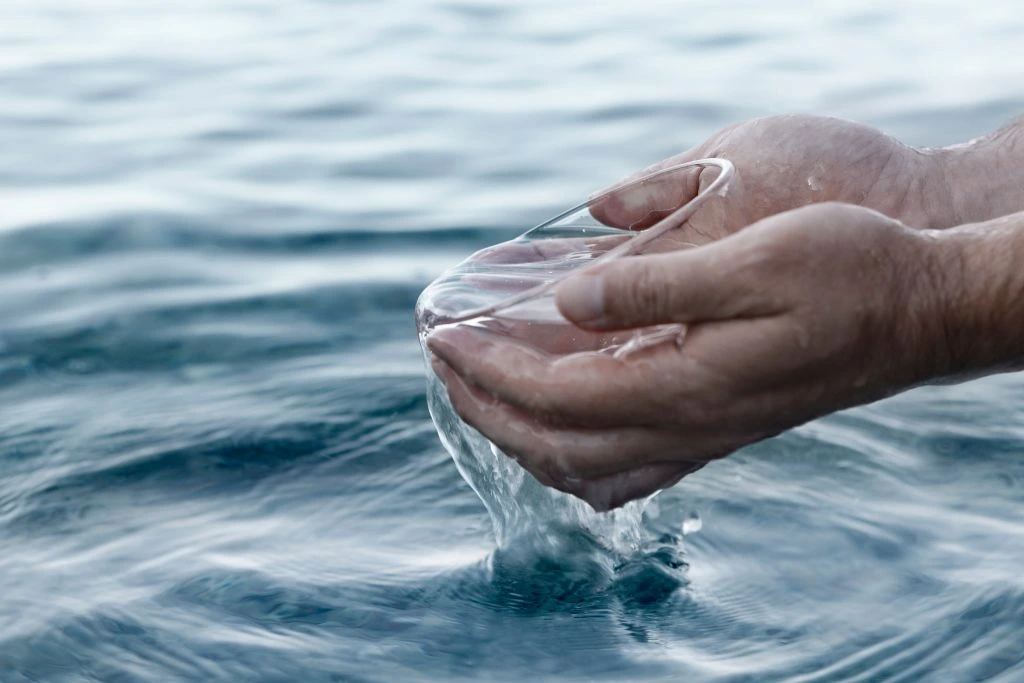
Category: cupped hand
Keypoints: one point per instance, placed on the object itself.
(785, 162)
(804, 313)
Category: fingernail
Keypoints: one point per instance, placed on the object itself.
(581, 298)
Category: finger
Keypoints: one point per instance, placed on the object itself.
(630, 205)
(557, 338)
(511, 268)
(765, 367)
(580, 389)
(566, 456)
(714, 282)
(719, 388)
(608, 493)
(583, 452)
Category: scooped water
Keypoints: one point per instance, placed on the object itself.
(521, 509)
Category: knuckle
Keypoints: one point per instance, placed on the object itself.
(645, 296)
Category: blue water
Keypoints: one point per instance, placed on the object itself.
(216, 461)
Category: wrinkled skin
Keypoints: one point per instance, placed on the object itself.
(785, 162)
(782, 163)
(837, 328)
(795, 307)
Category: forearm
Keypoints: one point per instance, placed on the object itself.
(979, 273)
(984, 178)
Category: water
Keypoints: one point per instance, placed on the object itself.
(508, 288)
(217, 461)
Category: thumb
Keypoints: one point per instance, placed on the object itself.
(678, 287)
(633, 205)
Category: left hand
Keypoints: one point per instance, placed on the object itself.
(802, 314)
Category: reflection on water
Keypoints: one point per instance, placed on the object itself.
(216, 457)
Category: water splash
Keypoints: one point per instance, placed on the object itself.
(509, 288)
(518, 505)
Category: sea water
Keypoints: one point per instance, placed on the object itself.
(216, 457)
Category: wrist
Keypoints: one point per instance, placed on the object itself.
(922, 191)
(984, 178)
(974, 315)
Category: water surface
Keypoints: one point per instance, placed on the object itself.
(216, 461)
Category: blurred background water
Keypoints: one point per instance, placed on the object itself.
(216, 461)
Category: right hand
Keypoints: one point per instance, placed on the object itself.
(785, 162)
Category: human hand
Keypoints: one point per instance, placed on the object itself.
(806, 312)
(785, 162)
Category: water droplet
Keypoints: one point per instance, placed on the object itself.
(692, 524)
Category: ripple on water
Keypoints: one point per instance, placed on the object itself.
(216, 461)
